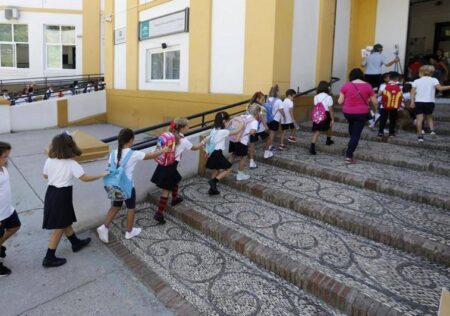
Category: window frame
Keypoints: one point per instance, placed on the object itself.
(148, 65)
(61, 45)
(14, 43)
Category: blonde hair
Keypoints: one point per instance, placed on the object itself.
(254, 109)
(426, 70)
(176, 126)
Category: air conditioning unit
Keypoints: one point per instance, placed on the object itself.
(12, 13)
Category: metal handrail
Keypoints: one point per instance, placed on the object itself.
(202, 126)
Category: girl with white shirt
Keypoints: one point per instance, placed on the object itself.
(9, 220)
(126, 140)
(167, 178)
(276, 107)
(423, 97)
(262, 131)
(323, 96)
(289, 122)
(216, 161)
(60, 169)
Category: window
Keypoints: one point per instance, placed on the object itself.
(60, 47)
(163, 65)
(14, 46)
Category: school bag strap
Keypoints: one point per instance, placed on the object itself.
(113, 165)
(357, 90)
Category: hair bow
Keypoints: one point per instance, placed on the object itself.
(172, 125)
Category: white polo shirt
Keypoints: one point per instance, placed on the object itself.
(6, 209)
(425, 89)
(62, 172)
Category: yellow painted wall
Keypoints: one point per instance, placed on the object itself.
(91, 36)
(200, 45)
(363, 17)
(325, 41)
(132, 45)
(137, 109)
(109, 45)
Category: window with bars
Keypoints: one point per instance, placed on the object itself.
(163, 65)
(60, 47)
(14, 51)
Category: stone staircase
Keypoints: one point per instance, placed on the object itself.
(309, 235)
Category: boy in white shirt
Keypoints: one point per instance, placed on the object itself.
(289, 121)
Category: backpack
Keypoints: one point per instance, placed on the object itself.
(166, 140)
(242, 120)
(268, 106)
(319, 114)
(209, 148)
(116, 183)
(392, 97)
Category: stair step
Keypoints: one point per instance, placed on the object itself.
(420, 159)
(280, 240)
(418, 186)
(212, 278)
(409, 226)
(441, 142)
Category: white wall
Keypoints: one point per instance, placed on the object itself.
(120, 51)
(304, 44)
(392, 28)
(54, 4)
(5, 119)
(37, 50)
(36, 115)
(178, 41)
(227, 46)
(86, 104)
(341, 39)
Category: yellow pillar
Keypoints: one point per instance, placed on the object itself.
(63, 112)
(268, 42)
(132, 44)
(200, 13)
(325, 41)
(363, 18)
(109, 44)
(91, 36)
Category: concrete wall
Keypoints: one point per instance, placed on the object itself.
(120, 50)
(5, 119)
(54, 4)
(84, 105)
(36, 115)
(90, 200)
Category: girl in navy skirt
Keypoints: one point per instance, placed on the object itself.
(216, 161)
(323, 96)
(167, 178)
(60, 169)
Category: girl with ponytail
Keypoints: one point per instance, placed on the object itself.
(167, 177)
(125, 140)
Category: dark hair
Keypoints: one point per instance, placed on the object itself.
(290, 92)
(4, 147)
(63, 147)
(176, 126)
(274, 91)
(407, 87)
(393, 75)
(385, 75)
(219, 120)
(256, 96)
(125, 135)
(323, 87)
(356, 73)
(377, 48)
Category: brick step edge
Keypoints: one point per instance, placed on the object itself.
(358, 181)
(336, 294)
(163, 291)
(334, 150)
(370, 229)
(306, 127)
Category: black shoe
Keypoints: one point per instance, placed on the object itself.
(159, 218)
(312, 149)
(2, 252)
(213, 192)
(81, 244)
(4, 271)
(329, 142)
(380, 135)
(53, 263)
(178, 200)
(213, 187)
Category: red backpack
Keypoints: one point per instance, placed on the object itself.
(166, 140)
(392, 97)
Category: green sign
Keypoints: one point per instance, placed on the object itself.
(144, 30)
(172, 23)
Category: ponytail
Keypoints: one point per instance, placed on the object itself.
(176, 126)
(125, 135)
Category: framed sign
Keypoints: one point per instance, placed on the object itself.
(172, 23)
(120, 36)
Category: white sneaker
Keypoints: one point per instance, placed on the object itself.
(433, 134)
(423, 132)
(103, 233)
(252, 164)
(242, 176)
(134, 232)
(267, 154)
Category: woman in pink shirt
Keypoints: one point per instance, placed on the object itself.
(355, 95)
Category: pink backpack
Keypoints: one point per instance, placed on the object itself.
(319, 114)
(166, 140)
(242, 120)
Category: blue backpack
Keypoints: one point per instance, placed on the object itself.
(117, 185)
(268, 107)
(209, 148)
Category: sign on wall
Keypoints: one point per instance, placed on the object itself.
(172, 23)
(120, 36)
